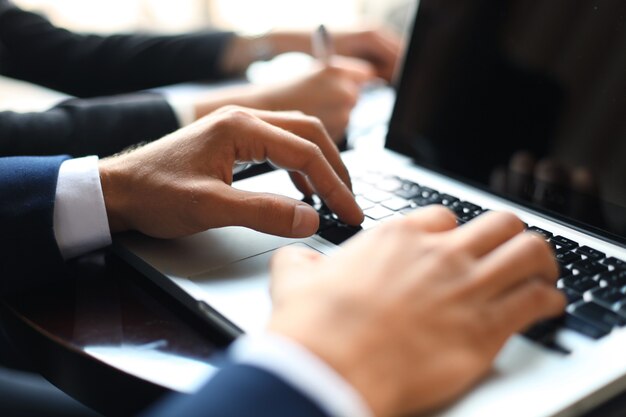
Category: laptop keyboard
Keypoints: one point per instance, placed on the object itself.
(594, 284)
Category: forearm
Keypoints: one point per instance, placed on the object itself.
(87, 127)
(90, 65)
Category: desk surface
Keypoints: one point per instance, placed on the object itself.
(105, 333)
(112, 340)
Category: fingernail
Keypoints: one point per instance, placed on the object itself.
(304, 221)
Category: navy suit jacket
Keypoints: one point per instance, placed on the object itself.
(86, 66)
(28, 254)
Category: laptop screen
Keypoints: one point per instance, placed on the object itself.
(526, 98)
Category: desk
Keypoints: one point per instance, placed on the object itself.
(108, 338)
(112, 340)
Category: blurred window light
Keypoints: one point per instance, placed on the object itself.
(249, 16)
(259, 16)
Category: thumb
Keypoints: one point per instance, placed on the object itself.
(269, 213)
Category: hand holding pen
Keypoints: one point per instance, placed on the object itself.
(322, 45)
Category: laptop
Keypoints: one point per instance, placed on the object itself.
(516, 105)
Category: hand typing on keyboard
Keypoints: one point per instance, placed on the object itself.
(594, 283)
(417, 298)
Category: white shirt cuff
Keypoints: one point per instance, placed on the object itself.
(80, 218)
(184, 110)
(302, 370)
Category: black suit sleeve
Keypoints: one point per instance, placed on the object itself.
(79, 127)
(241, 391)
(28, 250)
(32, 49)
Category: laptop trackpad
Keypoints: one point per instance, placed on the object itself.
(240, 290)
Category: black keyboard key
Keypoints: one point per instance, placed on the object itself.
(591, 253)
(578, 283)
(448, 200)
(466, 217)
(567, 257)
(339, 234)
(596, 314)
(326, 221)
(409, 184)
(589, 266)
(571, 295)
(560, 250)
(469, 206)
(617, 263)
(408, 193)
(544, 333)
(426, 192)
(426, 201)
(616, 278)
(609, 296)
(564, 242)
(323, 209)
(547, 235)
(585, 327)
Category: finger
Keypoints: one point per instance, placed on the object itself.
(313, 130)
(388, 51)
(485, 233)
(267, 213)
(355, 69)
(301, 183)
(432, 219)
(287, 265)
(531, 301)
(526, 255)
(262, 141)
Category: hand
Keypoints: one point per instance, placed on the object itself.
(413, 313)
(380, 47)
(329, 93)
(180, 185)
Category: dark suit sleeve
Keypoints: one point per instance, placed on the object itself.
(32, 49)
(28, 249)
(80, 127)
(240, 391)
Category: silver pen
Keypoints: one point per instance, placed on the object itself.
(322, 45)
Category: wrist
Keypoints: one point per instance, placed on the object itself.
(345, 359)
(115, 189)
(293, 41)
(244, 50)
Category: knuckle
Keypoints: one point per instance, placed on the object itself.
(538, 293)
(228, 108)
(536, 246)
(238, 113)
(314, 123)
(230, 119)
(443, 212)
(312, 151)
(510, 221)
